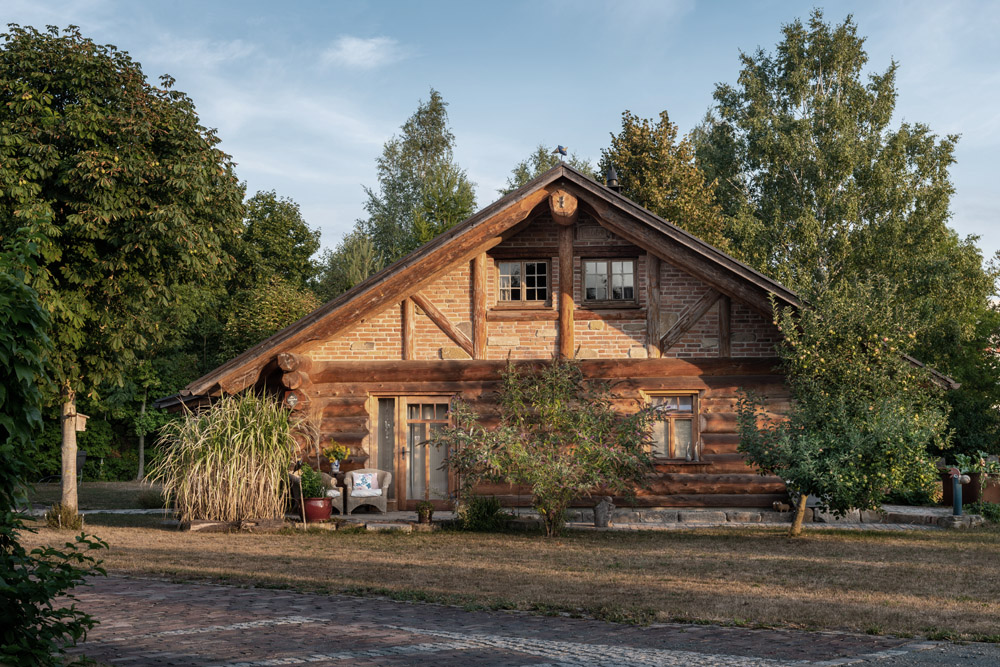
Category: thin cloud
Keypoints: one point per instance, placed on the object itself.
(358, 53)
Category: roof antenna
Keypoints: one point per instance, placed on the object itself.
(611, 179)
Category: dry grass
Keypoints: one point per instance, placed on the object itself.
(942, 584)
(95, 495)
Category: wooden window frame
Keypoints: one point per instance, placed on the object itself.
(523, 304)
(609, 302)
(695, 416)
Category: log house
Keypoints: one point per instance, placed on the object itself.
(561, 267)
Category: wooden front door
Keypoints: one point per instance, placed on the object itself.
(404, 427)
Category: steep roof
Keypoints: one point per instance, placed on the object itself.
(482, 231)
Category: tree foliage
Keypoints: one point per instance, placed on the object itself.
(352, 261)
(34, 631)
(821, 188)
(421, 191)
(275, 241)
(862, 417)
(261, 311)
(558, 435)
(659, 172)
(127, 191)
(540, 162)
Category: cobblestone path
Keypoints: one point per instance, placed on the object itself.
(149, 622)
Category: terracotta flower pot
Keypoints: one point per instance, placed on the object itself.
(318, 509)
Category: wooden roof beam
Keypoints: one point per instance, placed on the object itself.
(443, 323)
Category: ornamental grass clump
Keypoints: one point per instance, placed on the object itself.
(230, 462)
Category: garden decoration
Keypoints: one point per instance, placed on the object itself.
(425, 511)
(336, 453)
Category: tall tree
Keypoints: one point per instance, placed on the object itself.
(126, 190)
(658, 171)
(862, 417)
(255, 314)
(421, 191)
(540, 161)
(821, 188)
(340, 269)
(276, 241)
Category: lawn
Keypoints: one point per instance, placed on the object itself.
(94, 495)
(936, 583)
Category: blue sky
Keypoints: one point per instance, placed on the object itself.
(304, 94)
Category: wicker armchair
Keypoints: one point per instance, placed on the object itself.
(351, 502)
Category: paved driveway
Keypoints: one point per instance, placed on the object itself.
(148, 622)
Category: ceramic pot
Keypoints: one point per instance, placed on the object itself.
(318, 509)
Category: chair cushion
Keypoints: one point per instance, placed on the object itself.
(367, 480)
(332, 493)
(365, 493)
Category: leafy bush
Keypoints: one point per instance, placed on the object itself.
(989, 511)
(63, 518)
(150, 500)
(558, 434)
(312, 482)
(228, 463)
(483, 514)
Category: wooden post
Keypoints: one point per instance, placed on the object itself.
(725, 327)
(408, 342)
(479, 306)
(653, 306)
(566, 305)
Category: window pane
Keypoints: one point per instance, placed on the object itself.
(684, 403)
(416, 460)
(442, 411)
(413, 410)
(428, 411)
(661, 432)
(665, 403)
(596, 277)
(682, 443)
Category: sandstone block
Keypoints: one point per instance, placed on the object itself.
(596, 325)
(503, 341)
(638, 353)
(363, 345)
(454, 353)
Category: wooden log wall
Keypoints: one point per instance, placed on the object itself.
(342, 393)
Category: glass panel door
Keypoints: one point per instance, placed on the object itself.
(427, 476)
(387, 441)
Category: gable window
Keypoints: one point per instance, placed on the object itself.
(524, 281)
(609, 280)
(675, 426)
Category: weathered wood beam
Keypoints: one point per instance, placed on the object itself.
(479, 328)
(566, 305)
(408, 331)
(563, 206)
(289, 361)
(443, 323)
(725, 327)
(548, 250)
(295, 379)
(653, 306)
(688, 317)
(749, 372)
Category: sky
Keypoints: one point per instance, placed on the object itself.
(304, 94)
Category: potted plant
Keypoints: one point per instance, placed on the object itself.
(316, 505)
(336, 453)
(425, 510)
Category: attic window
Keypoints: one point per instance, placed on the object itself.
(524, 281)
(609, 280)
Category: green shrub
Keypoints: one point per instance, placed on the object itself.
(150, 500)
(483, 514)
(63, 518)
(312, 483)
(228, 463)
(989, 511)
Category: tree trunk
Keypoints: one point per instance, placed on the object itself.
(142, 442)
(69, 495)
(800, 512)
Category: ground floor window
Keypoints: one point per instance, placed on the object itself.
(675, 427)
